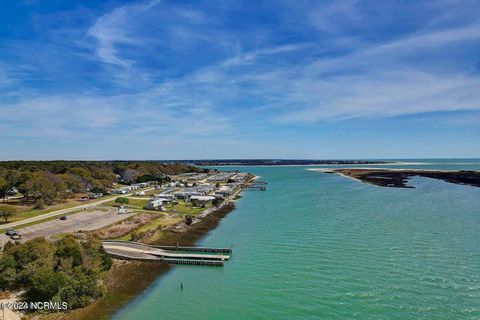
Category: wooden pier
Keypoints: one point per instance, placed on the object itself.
(128, 250)
(254, 188)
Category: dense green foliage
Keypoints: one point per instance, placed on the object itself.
(122, 200)
(45, 182)
(63, 271)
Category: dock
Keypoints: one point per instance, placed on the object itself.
(255, 186)
(194, 249)
(202, 256)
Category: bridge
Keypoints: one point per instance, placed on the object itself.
(200, 256)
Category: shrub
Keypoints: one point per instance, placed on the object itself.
(188, 219)
(122, 200)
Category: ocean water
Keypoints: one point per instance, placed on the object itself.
(321, 246)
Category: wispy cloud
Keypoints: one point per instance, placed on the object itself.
(153, 72)
(112, 30)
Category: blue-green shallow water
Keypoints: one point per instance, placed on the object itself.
(320, 246)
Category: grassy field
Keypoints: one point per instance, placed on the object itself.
(152, 192)
(182, 208)
(27, 211)
(154, 224)
(185, 208)
(132, 202)
(179, 210)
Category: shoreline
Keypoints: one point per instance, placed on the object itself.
(399, 177)
(334, 172)
(128, 279)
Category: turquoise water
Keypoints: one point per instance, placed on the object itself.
(320, 246)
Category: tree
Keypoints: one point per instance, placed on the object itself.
(13, 178)
(25, 186)
(129, 175)
(6, 212)
(74, 183)
(122, 200)
(97, 186)
(67, 270)
(3, 188)
(69, 248)
(45, 187)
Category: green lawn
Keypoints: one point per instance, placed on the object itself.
(185, 208)
(26, 212)
(132, 202)
(152, 192)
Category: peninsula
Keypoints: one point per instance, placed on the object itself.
(70, 211)
(398, 178)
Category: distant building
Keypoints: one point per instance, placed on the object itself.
(155, 204)
(202, 199)
(224, 191)
(119, 191)
(166, 196)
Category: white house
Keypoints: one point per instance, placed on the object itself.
(224, 191)
(202, 199)
(166, 196)
(119, 191)
(155, 204)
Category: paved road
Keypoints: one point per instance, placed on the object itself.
(88, 220)
(62, 212)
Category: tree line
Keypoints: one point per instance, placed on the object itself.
(45, 182)
(64, 271)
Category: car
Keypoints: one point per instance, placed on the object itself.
(11, 232)
(63, 218)
(16, 237)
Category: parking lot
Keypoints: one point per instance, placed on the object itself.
(86, 220)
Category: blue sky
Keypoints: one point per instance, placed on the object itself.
(239, 79)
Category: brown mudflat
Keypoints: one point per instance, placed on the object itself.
(398, 178)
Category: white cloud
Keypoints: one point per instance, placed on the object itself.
(111, 30)
(268, 86)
